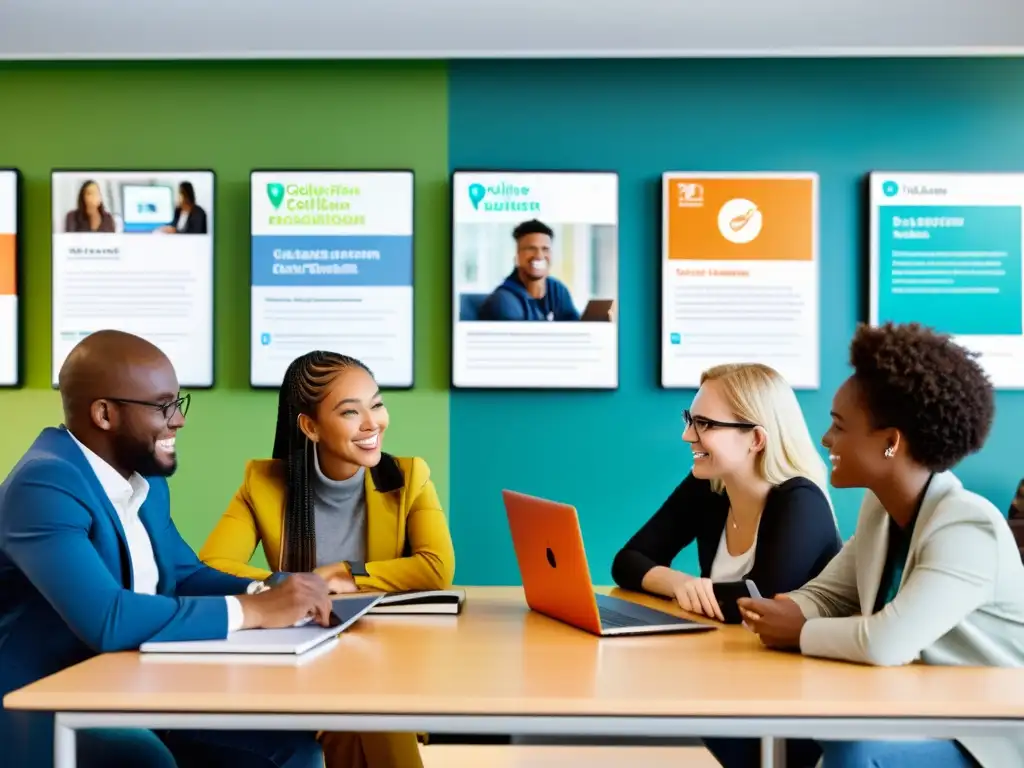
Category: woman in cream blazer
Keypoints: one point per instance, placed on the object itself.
(932, 574)
(331, 501)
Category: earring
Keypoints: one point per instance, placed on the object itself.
(890, 452)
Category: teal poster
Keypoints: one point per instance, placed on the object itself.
(946, 251)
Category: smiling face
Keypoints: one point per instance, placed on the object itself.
(349, 425)
(143, 431)
(723, 444)
(533, 256)
(856, 448)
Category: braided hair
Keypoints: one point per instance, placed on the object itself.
(304, 387)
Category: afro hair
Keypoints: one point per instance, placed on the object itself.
(928, 387)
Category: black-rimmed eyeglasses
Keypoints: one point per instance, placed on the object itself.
(168, 409)
(702, 424)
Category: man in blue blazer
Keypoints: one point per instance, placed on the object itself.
(91, 562)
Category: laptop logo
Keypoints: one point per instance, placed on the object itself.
(551, 558)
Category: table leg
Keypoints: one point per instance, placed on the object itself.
(63, 744)
(780, 753)
(773, 752)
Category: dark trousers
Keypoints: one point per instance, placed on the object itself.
(123, 748)
(803, 753)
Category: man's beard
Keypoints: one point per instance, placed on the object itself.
(136, 457)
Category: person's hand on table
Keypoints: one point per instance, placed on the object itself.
(778, 622)
(339, 579)
(299, 596)
(698, 596)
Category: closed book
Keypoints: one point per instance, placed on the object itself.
(427, 601)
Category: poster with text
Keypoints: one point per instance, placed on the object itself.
(10, 374)
(946, 253)
(535, 259)
(133, 251)
(332, 270)
(739, 275)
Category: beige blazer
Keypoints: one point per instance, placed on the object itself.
(961, 597)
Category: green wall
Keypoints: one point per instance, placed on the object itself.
(232, 118)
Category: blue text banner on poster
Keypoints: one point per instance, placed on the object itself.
(956, 268)
(325, 260)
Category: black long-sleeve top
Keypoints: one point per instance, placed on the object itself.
(796, 538)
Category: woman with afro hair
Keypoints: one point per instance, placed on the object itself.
(932, 574)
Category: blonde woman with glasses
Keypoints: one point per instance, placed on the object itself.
(755, 503)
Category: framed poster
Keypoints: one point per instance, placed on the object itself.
(740, 275)
(535, 280)
(10, 280)
(133, 251)
(332, 269)
(946, 253)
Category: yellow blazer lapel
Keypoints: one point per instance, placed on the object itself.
(383, 522)
(274, 495)
(268, 547)
(267, 491)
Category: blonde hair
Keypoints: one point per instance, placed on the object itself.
(758, 394)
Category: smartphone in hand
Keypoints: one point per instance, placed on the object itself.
(727, 593)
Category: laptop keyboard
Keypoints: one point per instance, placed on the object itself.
(612, 619)
(619, 614)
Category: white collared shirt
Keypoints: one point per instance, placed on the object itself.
(127, 498)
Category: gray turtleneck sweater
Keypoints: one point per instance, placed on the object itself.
(339, 507)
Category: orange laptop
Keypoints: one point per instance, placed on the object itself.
(556, 578)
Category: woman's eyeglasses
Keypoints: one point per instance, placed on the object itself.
(702, 424)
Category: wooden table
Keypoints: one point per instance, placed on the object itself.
(502, 669)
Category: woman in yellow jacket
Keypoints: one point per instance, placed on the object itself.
(330, 501)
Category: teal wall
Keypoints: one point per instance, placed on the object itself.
(618, 455)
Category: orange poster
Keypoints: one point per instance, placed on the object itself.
(7, 266)
(760, 217)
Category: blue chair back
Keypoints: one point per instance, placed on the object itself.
(469, 306)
